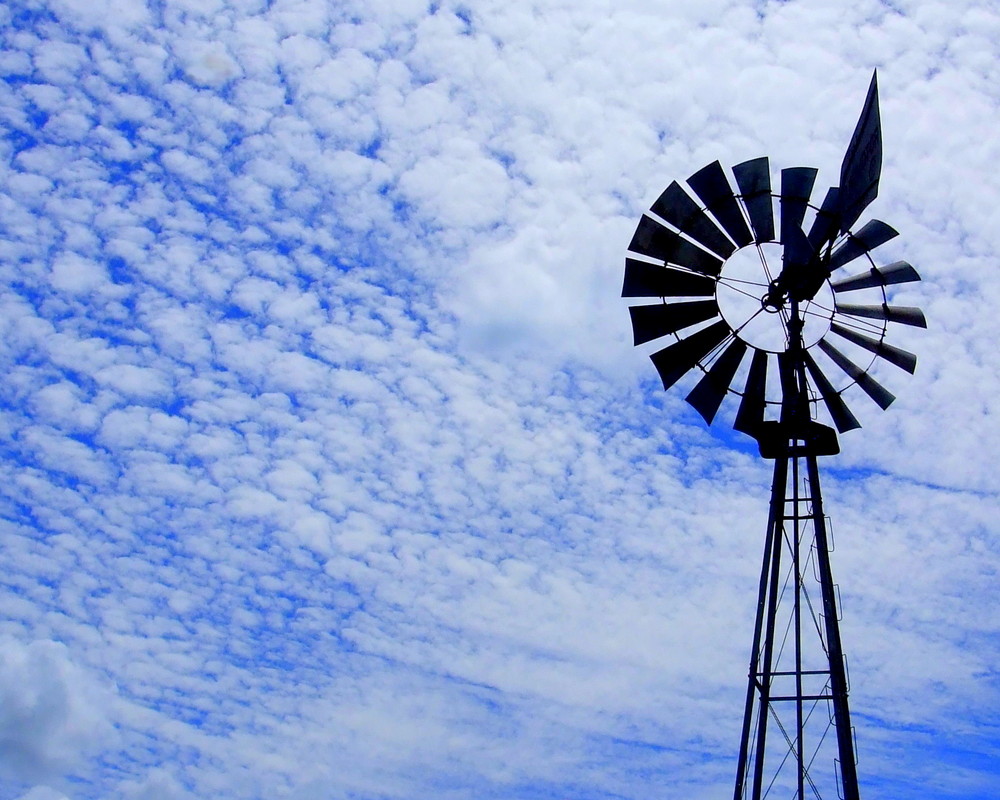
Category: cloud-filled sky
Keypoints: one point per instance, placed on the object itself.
(329, 469)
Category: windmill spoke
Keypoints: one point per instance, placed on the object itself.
(738, 290)
(752, 317)
(710, 356)
(725, 280)
(860, 325)
(821, 314)
(763, 264)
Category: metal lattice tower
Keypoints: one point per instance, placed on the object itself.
(750, 309)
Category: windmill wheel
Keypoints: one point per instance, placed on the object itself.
(728, 289)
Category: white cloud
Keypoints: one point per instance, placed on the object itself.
(324, 440)
(208, 63)
(52, 712)
(77, 275)
(158, 785)
(42, 793)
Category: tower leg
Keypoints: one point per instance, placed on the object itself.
(838, 669)
(797, 737)
(772, 551)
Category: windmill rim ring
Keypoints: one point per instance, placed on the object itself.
(882, 330)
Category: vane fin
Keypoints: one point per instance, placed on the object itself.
(826, 226)
(862, 165)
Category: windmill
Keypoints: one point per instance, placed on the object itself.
(791, 323)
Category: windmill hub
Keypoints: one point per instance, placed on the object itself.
(756, 306)
(775, 299)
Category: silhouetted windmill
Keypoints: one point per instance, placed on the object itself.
(765, 314)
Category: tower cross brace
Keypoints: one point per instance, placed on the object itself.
(797, 681)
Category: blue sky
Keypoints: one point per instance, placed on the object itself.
(329, 469)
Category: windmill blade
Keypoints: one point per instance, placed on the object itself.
(712, 186)
(905, 315)
(652, 322)
(676, 207)
(802, 273)
(826, 226)
(894, 355)
(789, 384)
(643, 279)
(862, 165)
(786, 377)
(871, 387)
(796, 188)
(841, 414)
(656, 241)
(751, 411)
(874, 233)
(707, 395)
(754, 179)
(898, 272)
(798, 252)
(673, 361)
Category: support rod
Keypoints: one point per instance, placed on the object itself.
(771, 543)
(838, 671)
(795, 754)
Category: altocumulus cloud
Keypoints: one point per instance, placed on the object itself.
(329, 470)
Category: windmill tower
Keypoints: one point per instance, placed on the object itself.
(767, 317)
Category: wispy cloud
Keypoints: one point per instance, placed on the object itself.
(329, 470)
